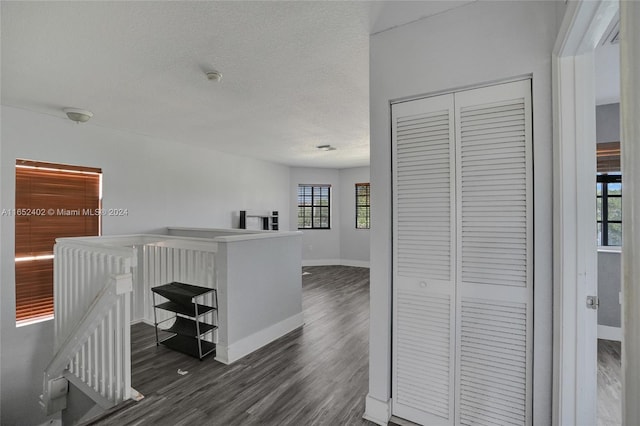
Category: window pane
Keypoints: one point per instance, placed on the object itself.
(362, 221)
(599, 189)
(307, 218)
(310, 214)
(599, 232)
(614, 207)
(598, 208)
(316, 217)
(615, 234)
(363, 201)
(614, 188)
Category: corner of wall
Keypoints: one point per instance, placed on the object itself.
(377, 411)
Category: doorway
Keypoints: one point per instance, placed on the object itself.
(575, 248)
(609, 226)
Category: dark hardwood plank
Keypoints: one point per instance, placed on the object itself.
(316, 375)
(609, 383)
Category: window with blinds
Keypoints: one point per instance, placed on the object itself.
(363, 205)
(52, 201)
(609, 194)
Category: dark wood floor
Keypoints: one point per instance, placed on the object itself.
(316, 375)
(609, 383)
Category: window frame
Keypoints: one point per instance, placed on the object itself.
(604, 220)
(366, 205)
(43, 213)
(316, 198)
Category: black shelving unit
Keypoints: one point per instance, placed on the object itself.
(269, 222)
(188, 329)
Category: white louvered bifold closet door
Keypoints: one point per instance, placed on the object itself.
(424, 259)
(494, 276)
(462, 310)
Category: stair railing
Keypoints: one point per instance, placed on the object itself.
(92, 315)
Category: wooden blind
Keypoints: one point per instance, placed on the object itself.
(608, 157)
(52, 201)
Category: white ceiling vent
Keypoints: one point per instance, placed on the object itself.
(612, 34)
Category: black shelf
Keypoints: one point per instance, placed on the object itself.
(187, 327)
(269, 221)
(189, 310)
(189, 345)
(180, 291)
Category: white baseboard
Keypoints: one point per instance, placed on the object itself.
(227, 354)
(321, 262)
(332, 262)
(609, 333)
(356, 263)
(377, 411)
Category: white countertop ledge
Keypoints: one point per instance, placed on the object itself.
(242, 234)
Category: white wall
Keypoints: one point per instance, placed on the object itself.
(478, 43)
(608, 123)
(342, 244)
(161, 183)
(260, 292)
(607, 61)
(319, 246)
(354, 243)
(609, 279)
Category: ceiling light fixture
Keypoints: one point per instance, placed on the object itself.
(78, 115)
(214, 75)
(326, 148)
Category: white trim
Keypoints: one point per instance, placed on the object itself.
(321, 262)
(222, 354)
(609, 333)
(334, 262)
(227, 354)
(630, 136)
(461, 88)
(575, 253)
(609, 249)
(377, 411)
(356, 263)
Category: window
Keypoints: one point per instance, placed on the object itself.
(52, 201)
(609, 194)
(314, 206)
(609, 209)
(363, 205)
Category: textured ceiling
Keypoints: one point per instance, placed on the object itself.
(295, 74)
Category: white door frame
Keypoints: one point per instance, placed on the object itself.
(574, 245)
